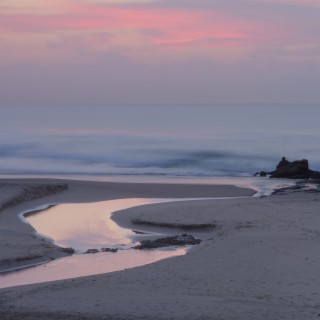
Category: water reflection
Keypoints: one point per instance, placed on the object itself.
(86, 225)
(83, 226)
(85, 265)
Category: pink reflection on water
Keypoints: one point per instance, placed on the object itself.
(85, 265)
(85, 225)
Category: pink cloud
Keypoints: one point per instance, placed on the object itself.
(83, 26)
(172, 25)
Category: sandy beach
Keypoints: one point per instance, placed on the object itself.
(159, 160)
(261, 261)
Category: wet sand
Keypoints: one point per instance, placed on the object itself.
(260, 262)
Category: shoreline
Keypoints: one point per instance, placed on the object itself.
(260, 263)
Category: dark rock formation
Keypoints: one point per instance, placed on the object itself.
(294, 170)
(261, 174)
(113, 250)
(67, 250)
(283, 163)
(92, 251)
(298, 169)
(184, 239)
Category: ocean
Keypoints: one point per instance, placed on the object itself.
(145, 140)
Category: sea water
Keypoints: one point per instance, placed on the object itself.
(156, 140)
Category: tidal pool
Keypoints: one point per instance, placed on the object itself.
(84, 226)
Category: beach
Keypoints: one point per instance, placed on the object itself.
(159, 160)
(259, 262)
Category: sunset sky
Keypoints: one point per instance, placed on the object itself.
(100, 52)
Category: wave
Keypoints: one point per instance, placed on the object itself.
(37, 159)
(216, 144)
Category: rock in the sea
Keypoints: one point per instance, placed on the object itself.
(283, 163)
(182, 240)
(295, 170)
(298, 169)
(262, 174)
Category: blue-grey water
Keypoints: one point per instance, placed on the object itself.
(191, 141)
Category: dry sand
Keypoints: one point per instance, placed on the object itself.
(262, 260)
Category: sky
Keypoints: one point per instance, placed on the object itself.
(106, 52)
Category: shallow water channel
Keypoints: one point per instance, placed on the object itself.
(84, 226)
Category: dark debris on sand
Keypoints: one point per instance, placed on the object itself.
(174, 225)
(182, 240)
